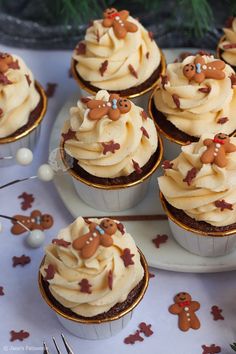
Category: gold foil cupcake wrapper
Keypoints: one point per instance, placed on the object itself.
(116, 186)
(94, 321)
(93, 92)
(37, 121)
(191, 229)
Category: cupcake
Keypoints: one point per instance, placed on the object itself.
(195, 94)
(93, 276)
(118, 55)
(226, 48)
(22, 107)
(198, 193)
(113, 149)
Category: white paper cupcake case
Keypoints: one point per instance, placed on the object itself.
(96, 330)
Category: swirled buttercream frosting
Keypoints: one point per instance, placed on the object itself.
(18, 95)
(193, 107)
(204, 191)
(228, 46)
(92, 286)
(107, 146)
(110, 62)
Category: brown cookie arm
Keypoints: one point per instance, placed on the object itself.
(195, 305)
(106, 240)
(199, 60)
(120, 31)
(199, 77)
(94, 103)
(80, 242)
(97, 113)
(124, 14)
(207, 142)
(175, 309)
(107, 22)
(89, 249)
(230, 147)
(131, 27)
(114, 114)
(215, 74)
(218, 64)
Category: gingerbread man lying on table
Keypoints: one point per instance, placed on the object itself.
(98, 235)
(36, 221)
(118, 20)
(113, 108)
(199, 70)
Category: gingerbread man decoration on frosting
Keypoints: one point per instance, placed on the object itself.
(199, 70)
(5, 61)
(99, 234)
(217, 149)
(118, 20)
(113, 108)
(185, 308)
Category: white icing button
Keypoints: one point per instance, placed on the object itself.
(217, 145)
(188, 314)
(117, 17)
(188, 319)
(122, 24)
(99, 106)
(90, 239)
(216, 150)
(209, 67)
(204, 67)
(214, 68)
(87, 242)
(109, 104)
(215, 154)
(94, 234)
(186, 308)
(103, 105)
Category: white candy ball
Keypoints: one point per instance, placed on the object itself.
(45, 173)
(36, 238)
(24, 156)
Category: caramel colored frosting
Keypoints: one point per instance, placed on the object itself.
(229, 54)
(198, 110)
(71, 269)
(137, 50)
(134, 136)
(210, 186)
(17, 99)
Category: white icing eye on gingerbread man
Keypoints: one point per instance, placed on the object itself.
(199, 70)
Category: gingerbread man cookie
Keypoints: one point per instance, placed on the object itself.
(199, 70)
(36, 220)
(118, 20)
(5, 61)
(113, 108)
(98, 235)
(185, 308)
(217, 149)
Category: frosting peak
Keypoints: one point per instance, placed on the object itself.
(228, 46)
(91, 286)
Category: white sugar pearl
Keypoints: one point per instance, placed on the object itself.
(117, 17)
(204, 67)
(24, 156)
(217, 145)
(45, 173)
(36, 238)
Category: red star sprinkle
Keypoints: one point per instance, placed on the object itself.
(133, 71)
(50, 272)
(85, 286)
(211, 349)
(127, 257)
(159, 240)
(21, 335)
(110, 147)
(121, 228)
(61, 242)
(2, 291)
(205, 89)
(151, 35)
(14, 65)
(81, 48)
(51, 88)
(144, 115)
(22, 260)
(137, 168)
(216, 312)
(132, 338)
(164, 81)
(110, 279)
(222, 204)
(167, 165)
(176, 100)
(27, 201)
(28, 79)
(69, 135)
(145, 329)
(190, 176)
(147, 55)
(222, 120)
(4, 80)
(103, 67)
(233, 79)
(145, 133)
